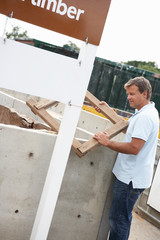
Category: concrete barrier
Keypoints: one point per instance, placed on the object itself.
(25, 156)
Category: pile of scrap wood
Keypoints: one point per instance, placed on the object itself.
(11, 116)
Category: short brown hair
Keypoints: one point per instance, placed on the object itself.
(143, 85)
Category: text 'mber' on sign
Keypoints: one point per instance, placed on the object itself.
(79, 19)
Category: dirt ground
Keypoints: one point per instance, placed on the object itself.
(143, 230)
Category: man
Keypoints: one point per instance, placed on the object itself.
(133, 168)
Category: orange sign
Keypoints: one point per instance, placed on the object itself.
(79, 19)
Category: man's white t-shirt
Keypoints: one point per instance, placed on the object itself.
(144, 124)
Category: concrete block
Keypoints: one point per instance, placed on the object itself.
(25, 155)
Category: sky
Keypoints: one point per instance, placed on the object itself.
(131, 32)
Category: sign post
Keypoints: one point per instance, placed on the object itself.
(59, 158)
(54, 77)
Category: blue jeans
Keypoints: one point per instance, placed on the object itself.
(124, 198)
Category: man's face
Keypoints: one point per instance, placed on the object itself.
(136, 99)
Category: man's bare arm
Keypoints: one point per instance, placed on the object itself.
(132, 147)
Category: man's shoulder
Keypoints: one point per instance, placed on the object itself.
(149, 116)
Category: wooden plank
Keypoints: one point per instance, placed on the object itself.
(107, 111)
(92, 143)
(53, 123)
(45, 103)
(81, 149)
(75, 145)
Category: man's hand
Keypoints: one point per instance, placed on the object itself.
(101, 103)
(102, 138)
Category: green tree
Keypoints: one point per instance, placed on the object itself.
(72, 47)
(15, 33)
(147, 66)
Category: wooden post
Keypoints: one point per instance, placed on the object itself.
(93, 143)
(120, 124)
(107, 111)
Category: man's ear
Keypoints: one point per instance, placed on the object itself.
(145, 94)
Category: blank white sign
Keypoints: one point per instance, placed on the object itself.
(41, 73)
(154, 196)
